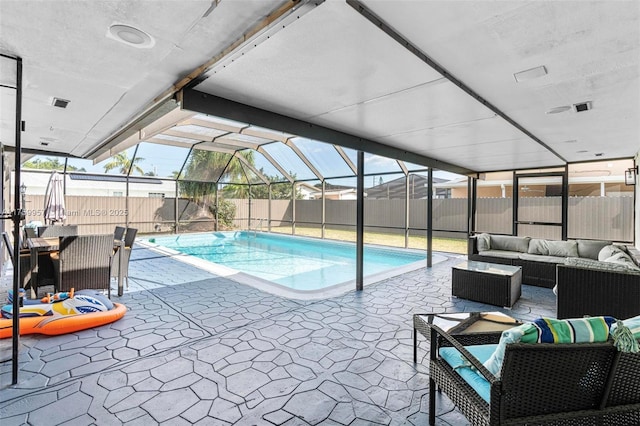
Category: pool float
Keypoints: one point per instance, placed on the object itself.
(65, 313)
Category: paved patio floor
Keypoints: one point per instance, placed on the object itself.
(195, 348)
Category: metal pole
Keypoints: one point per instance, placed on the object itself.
(430, 218)
(514, 203)
(217, 208)
(324, 210)
(407, 205)
(269, 209)
(293, 208)
(175, 208)
(360, 223)
(565, 203)
(17, 217)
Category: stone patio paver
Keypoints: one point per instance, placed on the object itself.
(195, 348)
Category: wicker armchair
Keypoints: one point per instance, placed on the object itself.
(554, 384)
(129, 239)
(84, 262)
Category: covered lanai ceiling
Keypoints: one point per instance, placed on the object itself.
(415, 80)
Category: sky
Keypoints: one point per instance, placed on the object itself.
(163, 160)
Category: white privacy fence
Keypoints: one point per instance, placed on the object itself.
(589, 217)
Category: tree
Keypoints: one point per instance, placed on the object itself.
(279, 190)
(202, 172)
(122, 162)
(51, 163)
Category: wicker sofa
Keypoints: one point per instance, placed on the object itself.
(537, 257)
(590, 277)
(587, 287)
(554, 384)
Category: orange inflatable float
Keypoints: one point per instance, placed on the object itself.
(67, 313)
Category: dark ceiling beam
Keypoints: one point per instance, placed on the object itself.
(378, 22)
(194, 100)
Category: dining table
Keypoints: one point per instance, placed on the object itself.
(40, 245)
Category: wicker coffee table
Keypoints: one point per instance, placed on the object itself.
(478, 324)
(490, 283)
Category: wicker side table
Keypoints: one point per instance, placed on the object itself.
(490, 283)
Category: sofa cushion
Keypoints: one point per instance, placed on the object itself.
(563, 248)
(512, 335)
(502, 254)
(538, 246)
(481, 352)
(550, 330)
(541, 258)
(623, 259)
(608, 251)
(483, 242)
(595, 264)
(509, 243)
(591, 248)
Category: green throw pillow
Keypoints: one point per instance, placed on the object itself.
(549, 330)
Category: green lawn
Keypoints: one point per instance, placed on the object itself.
(450, 245)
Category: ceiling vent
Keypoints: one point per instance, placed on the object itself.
(60, 103)
(582, 106)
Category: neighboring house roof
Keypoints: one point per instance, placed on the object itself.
(396, 188)
(459, 183)
(115, 178)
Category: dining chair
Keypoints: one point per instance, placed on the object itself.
(25, 259)
(45, 266)
(118, 234)
(129, 239)
(57, 231)
(30, 232)
(84, 262)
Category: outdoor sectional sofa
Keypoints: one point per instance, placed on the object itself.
(539, 383)
(590, 277)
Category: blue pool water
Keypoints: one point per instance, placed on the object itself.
(294, 262)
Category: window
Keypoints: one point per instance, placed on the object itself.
(118, 193)
(156, 195)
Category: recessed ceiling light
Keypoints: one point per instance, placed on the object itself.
(571, 141)
(131, 36)
(558, 110)
(530, 74)
(582, 151)
(599, 154)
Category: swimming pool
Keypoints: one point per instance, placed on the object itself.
(297, 263)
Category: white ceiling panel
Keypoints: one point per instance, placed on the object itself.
(426, 106)
(591, 50)
(67, 54)
(329, 59)
(327, 63)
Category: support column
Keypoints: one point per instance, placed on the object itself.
(324, 211)
(407, 205)
(176, 209)
(430, 218)
(360, 223)
(269, 209)
(293, 208)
